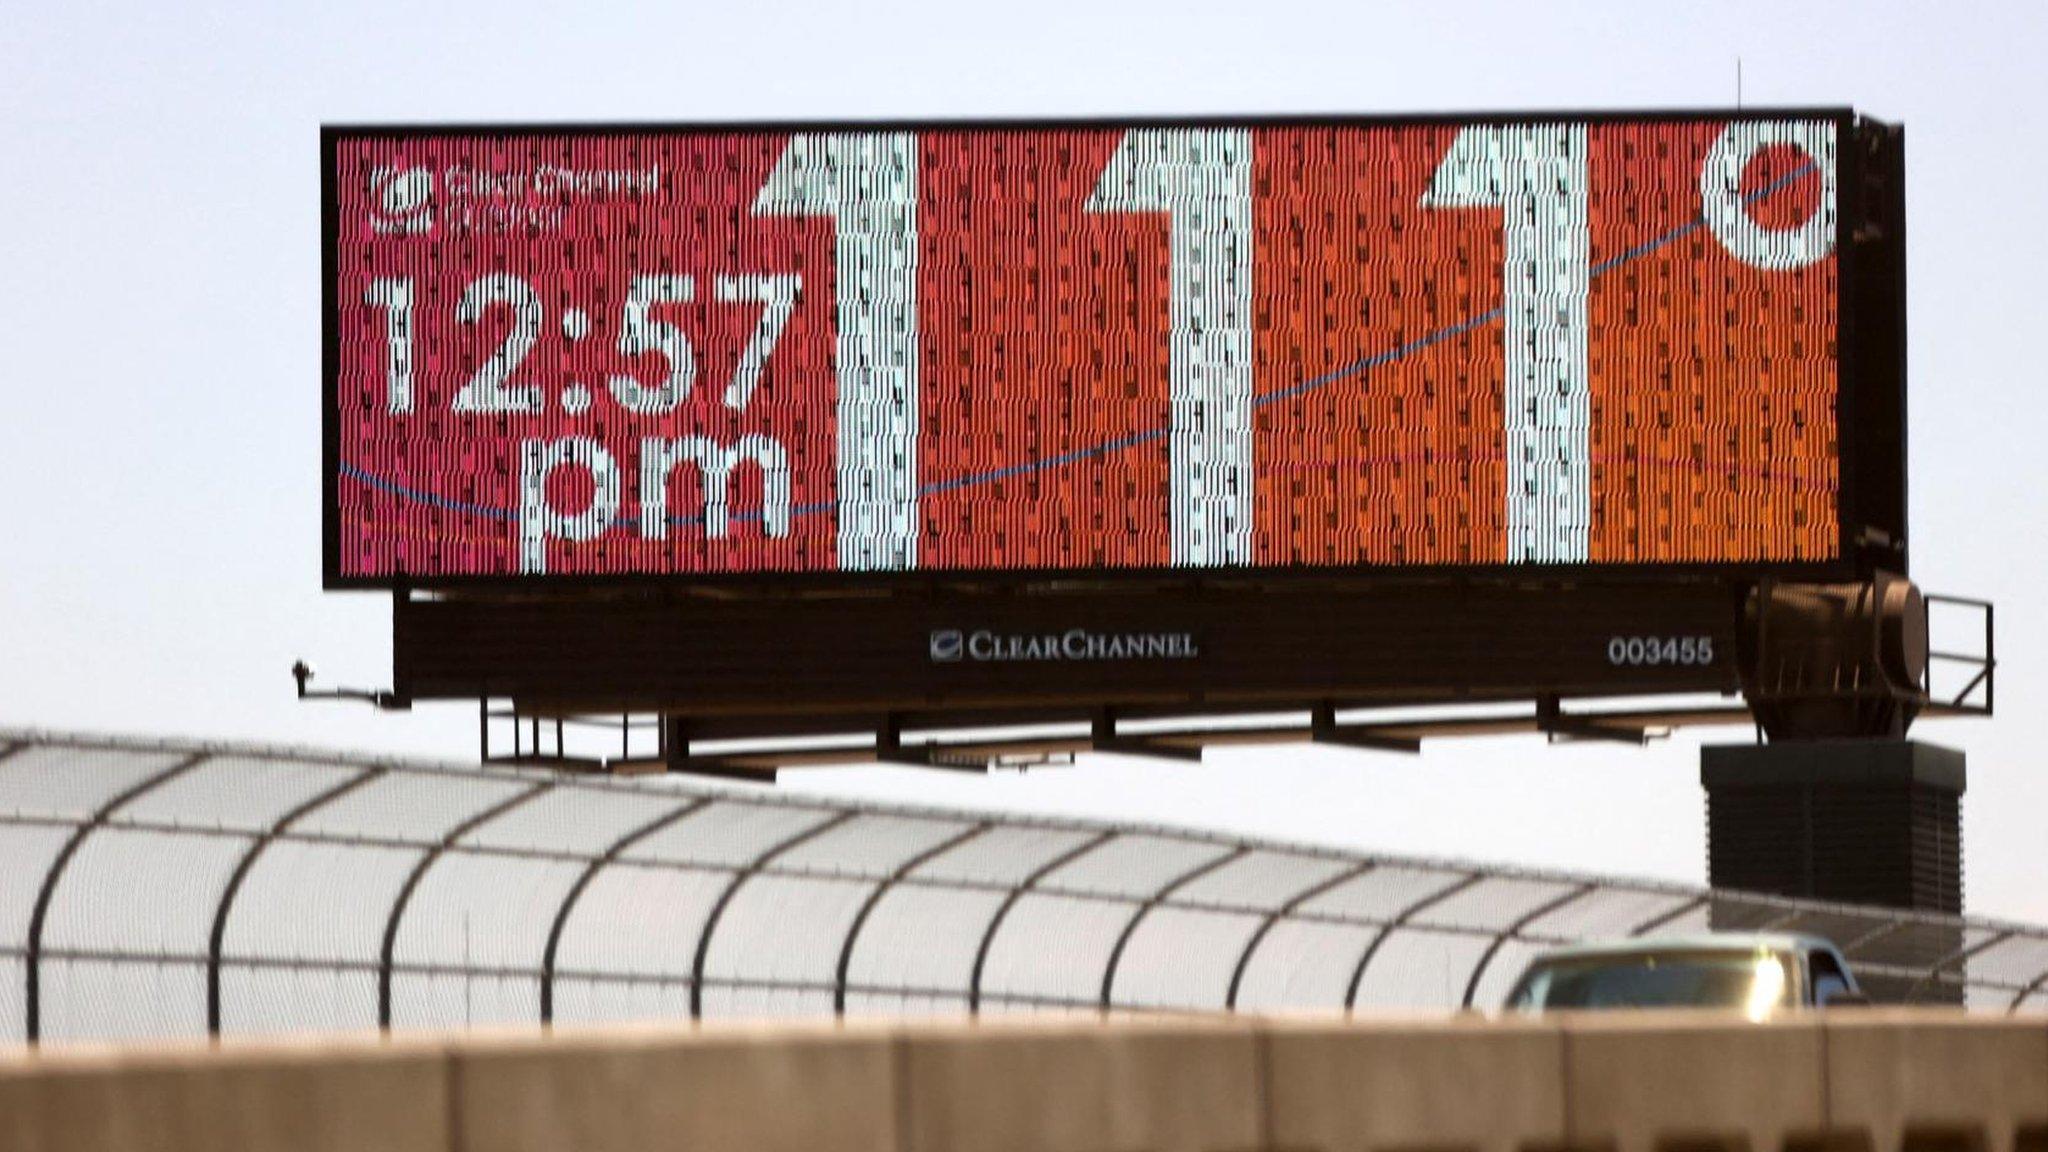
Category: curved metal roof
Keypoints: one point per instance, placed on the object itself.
(163, 888)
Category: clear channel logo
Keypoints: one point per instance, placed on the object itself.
(954, 645)
(401, 200)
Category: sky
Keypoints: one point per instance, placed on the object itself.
(160, 341)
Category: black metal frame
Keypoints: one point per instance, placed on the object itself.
(528, 748)
(1957, 958)
(1985, 663)
(419, 872)
(33, 961)
(1145, 907)
(881, 889)
(2039, 982)
(1514, 929)
(1662, 918)
(1399, 922)
(218, 936)
(611, 854)
(1016, 893)
(1171, 738)
(1289, 908)
(739, 880)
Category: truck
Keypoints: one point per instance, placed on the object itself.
(1756, 973)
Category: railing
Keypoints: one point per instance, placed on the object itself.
(1976, 671)
(180, 889)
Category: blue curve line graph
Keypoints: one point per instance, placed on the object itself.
(1060, 460)
(430, 499)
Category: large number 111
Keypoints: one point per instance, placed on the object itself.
(1200, 179)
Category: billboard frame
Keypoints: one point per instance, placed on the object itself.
(1869, 358)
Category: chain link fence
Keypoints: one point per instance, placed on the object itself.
(158, 889)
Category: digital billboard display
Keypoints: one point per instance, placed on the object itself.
(1348, 345)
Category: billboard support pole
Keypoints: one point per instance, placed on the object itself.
(1324, 729)
(1104, 738)
(1552, 721)
(889, 749)
(1857, 820)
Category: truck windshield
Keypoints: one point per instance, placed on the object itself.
(1753, 981)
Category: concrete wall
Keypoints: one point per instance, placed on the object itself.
(1878, 1081)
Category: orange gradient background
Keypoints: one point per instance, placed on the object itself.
(1043, 360)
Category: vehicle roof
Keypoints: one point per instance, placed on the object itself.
(1695, 942)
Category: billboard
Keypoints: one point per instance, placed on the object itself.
(1276, 346)
(771, 666)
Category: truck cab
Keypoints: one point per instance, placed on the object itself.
(1756, 973)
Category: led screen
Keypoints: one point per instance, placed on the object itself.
(1271, 346)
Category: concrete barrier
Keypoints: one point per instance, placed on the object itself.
(808, 1089)
(1129, 1086)
(333, 1096)
(1461, 1083)
(1686, 1082)
(1849, 1081)
(1922, 1081)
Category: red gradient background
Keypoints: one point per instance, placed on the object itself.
(1044, 336)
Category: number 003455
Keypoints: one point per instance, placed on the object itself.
(1634, 651)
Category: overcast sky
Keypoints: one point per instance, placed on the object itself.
(160, 328)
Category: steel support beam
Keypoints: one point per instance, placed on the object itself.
(611, 853)
(412, 882)
(995, 922)
(217, 937)
(1666, 917)
(33, 960)
(1400, 919)
(1521, 922)
(881, 889)
(740, 878)
(1244, 958)
(1116, 954)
